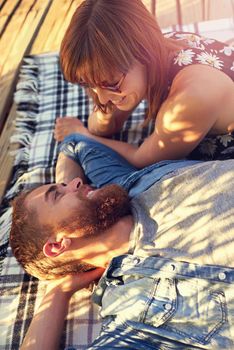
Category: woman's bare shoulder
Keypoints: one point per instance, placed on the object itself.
(198, 77)
(205, 92)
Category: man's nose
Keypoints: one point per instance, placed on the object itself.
(74, 185)
(103, 95)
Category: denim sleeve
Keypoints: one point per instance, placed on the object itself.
(68, 148)
(101, 164)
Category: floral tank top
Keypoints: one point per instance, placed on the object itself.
(220, 56)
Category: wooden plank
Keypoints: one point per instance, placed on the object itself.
(2, 3)
(62, 26)
(53, 29)
(7, 13)
(27, 21)
(12, 33)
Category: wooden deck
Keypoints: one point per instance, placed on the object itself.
(26, 27)
(36, 26)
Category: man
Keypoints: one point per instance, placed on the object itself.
(169, 282)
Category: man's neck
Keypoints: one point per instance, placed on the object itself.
(118, 237)
(99, 250)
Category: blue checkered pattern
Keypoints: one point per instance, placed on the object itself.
(42, 96)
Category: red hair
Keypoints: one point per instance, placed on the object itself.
(27, 238)
(107, 36)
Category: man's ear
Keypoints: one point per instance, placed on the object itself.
(53, 248)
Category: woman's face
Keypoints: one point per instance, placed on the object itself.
(132, 89)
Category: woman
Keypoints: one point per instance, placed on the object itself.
(116, 49)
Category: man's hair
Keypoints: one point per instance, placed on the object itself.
(105, 36)
(27, 238)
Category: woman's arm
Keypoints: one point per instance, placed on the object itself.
(192, 109)
(46, 327)
(183, 120)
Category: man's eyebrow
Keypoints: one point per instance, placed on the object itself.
(50, 190)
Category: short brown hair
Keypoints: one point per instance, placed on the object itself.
(27, 238)
(105, 36)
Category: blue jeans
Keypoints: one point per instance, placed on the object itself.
(104, 166)
(159, 303)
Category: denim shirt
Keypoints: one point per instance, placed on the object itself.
(103, 166)
(159, 303)
(147, 299)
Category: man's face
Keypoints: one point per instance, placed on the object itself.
(78, 207)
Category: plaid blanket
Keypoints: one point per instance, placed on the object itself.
(42, 95)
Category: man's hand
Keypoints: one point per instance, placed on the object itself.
(70, 284)
(47, 324)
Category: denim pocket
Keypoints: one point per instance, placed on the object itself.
(162, 305)
(200, 313)
(187, 310)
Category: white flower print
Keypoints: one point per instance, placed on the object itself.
(227, 50)
(184, 57)
(232, 67)
(209, 59)
(192, 39)
(207, 41)
(225, 139)
(208, 147)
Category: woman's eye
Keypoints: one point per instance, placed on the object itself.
(114, 84)
(63, 184)
(106, 84)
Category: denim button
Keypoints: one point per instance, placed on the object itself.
(172, 267)
(222, 276)
(167, 307)
(136, 260)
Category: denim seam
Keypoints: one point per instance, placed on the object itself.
(202, 340)
(152, 294)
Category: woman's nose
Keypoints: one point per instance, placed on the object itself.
(74, 184)
(103, 95)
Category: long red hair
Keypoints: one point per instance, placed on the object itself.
(107, 36)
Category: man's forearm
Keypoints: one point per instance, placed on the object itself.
(67, 169)
(47, 325)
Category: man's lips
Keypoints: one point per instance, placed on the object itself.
(90, 194)
(88, 191)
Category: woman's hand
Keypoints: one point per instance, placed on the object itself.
(68, 125)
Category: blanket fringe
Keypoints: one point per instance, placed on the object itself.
(26, 98)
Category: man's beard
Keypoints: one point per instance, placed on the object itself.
(99, 213)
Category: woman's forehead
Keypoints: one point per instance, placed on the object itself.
(98, 76)
(97, 70)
